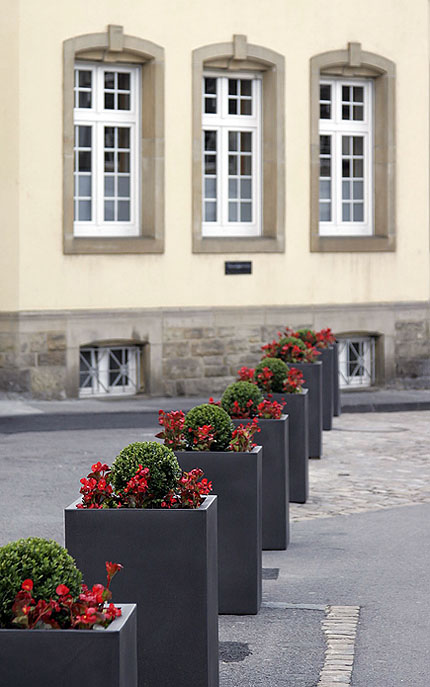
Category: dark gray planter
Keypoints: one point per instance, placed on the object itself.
(236, 479)
(49, 658)
(273, 437)
(312, 373)
(297, 407)
(336, 391)
(170, 571)
(327, 359)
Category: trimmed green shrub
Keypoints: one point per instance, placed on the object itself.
(279, 371)
(163, 466)
(307, 335)
(241, 399)
(42, 560)
(209, 414)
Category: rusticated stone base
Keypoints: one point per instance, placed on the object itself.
(191, 351)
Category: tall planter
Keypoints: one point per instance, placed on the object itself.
(297, 407)
(47, 658)
(170, 571)
(273, 437)
(327, 359)
(236, 479)
(336, 390)
(312, 373)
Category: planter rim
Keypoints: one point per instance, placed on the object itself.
(115, 626)
(207, 502)
(256, 449)
(305, 362)
(264, 419)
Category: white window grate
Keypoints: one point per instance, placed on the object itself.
(109, 370)
(356, 362)
(231, 150)
(346, 157)
(106, 150)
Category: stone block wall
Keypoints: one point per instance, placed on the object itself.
(412, 352)
(33, 363)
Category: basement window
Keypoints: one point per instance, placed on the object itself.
(356, 362)
(109, 370)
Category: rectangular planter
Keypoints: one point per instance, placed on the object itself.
(47, 658)
(236, 479)
(312, 373)
(336, 390)
(273, 437)
(170, 571)
(297, 407)
(327, 359)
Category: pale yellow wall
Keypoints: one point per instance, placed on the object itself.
(9, 155)
(296, 29)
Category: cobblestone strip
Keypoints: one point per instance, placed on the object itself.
(340, 629)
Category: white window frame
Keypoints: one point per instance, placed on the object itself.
(336, 128)
(100, 359)
(364, 363)
(222, 123)
(97, 118)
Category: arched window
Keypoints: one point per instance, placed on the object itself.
(113, 194)
(352, 151)
(238, 148)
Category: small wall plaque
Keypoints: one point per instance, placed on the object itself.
(237, 267)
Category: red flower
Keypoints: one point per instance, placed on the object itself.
(62, 590)
(27, 585)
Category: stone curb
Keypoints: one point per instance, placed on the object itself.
(340, 629)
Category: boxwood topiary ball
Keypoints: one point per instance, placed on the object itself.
(292, 340)
(164, 470)
(242, 392)
(42, 560)
(279, 370)
(209, 414)
(307, 335)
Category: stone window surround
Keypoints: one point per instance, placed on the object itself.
(349, 63)
(113, 46)
(237, 56)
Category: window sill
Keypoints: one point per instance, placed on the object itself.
(352, 244)
(128, 244)
(235, 244)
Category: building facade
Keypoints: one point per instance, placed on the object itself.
(180, 182)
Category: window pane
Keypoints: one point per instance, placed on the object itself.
(358, 190)
(109, 137)
(84, 99)
(110, 80)
(85, 78)
(123, 137)
(325, 145)
(232, 86)
(345, 94)
(358, 168)
(109, 101)
(84, 185)
(210, 105)
(109, 186)
(345, 168)
(210, 212)
(358, 113)
(245, 188)
(325, 111)
(123, 81)
(210, 140)
(210, 164)
(84, 211)
(345, 212)
(84, 136)
(246, 165)
(246, 87)
(246, 107)
(232, 164)
(233, 188)
(246, 141)
(246, 212)
(346, 190)
(325, 92)
(358, 145)
(124, 210)
(210, 188)
(232, 212)
(123, 162)
(109, 162)
(358, 92)
(109, 210)
(325, 167)
(345, 111)
(232, 107)
(233, 138)
(124, 187)
(210, 85)
(123, 101)
(84, 161)
(346, 148)
(325, 212)
(358, 212)
(325, 189)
